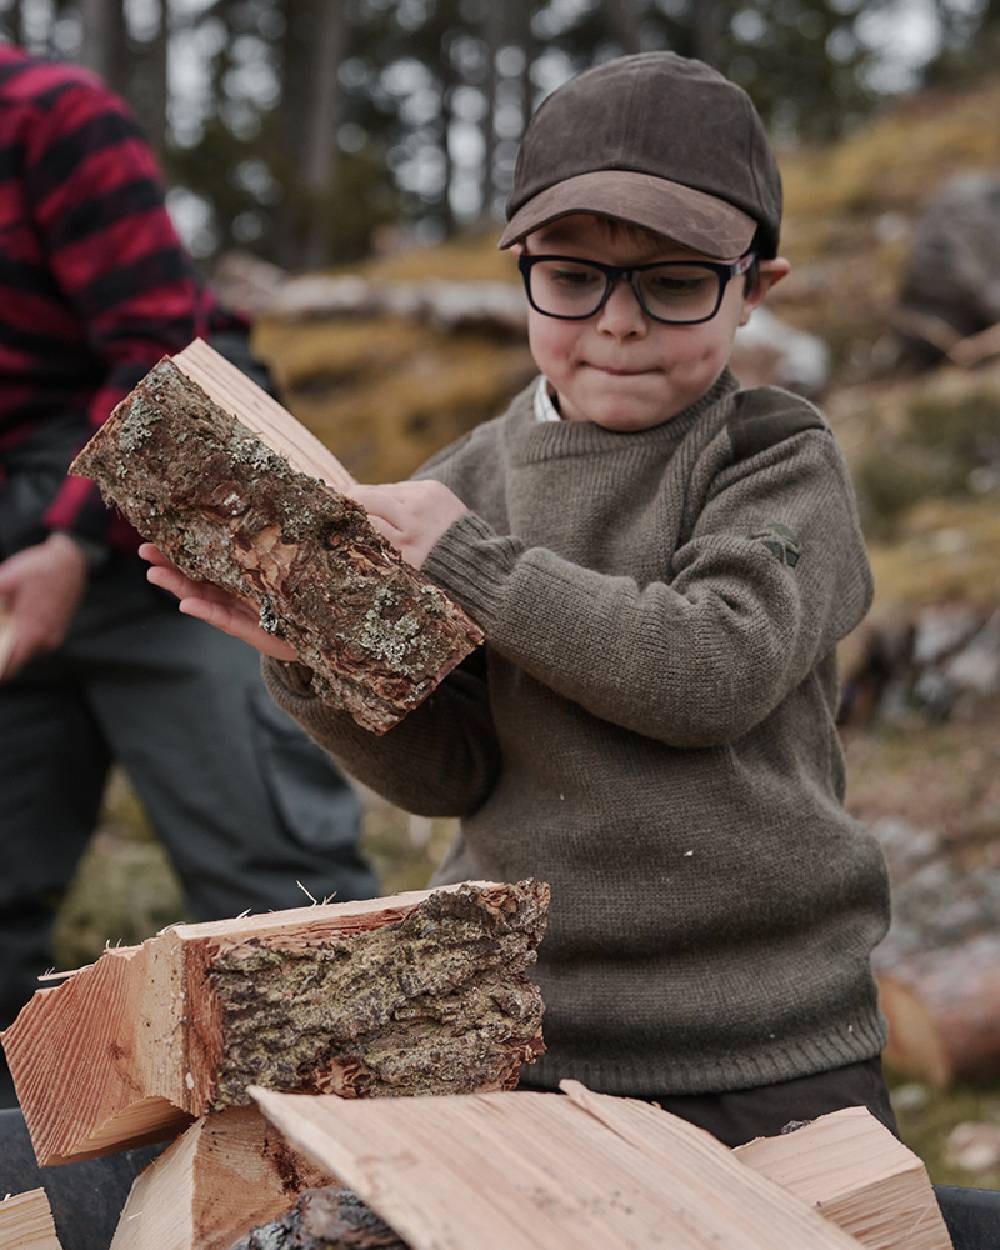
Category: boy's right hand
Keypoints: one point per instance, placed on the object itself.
(213, 605)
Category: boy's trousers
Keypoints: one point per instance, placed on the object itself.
(243, 801)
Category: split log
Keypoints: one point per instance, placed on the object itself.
(942, 1008)
(424, 992)
(325, 1219)
(852, 1169)
(26, 1222)
(518, 1171)
(229, 1172)
(236, 492)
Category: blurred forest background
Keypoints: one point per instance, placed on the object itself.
(340, 169)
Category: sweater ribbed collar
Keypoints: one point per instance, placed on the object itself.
(530, 440)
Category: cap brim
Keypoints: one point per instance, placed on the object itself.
(699, 221)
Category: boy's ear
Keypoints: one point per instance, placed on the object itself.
(516, 249)
(768, 273)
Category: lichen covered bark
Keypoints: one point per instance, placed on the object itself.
(324, 1219)
(439, 1002)
(227, 509)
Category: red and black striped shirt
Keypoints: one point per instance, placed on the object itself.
(95, 285)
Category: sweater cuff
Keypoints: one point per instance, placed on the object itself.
(288, 681)
(472, 563)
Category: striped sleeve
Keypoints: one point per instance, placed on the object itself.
(95, 197)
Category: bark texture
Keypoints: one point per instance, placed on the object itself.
(325, 1219)
(228, 509)
(438, 1003)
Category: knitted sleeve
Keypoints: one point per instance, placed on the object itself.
(773, 574)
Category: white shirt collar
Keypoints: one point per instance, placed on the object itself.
(545, 409)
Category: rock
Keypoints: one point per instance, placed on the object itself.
(769, 352)
(973, 1146)
(951, 284)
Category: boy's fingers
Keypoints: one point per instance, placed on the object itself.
(152, 553)
(238, 623)
(381, 501)
(171, 579)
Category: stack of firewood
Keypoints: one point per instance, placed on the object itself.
(422, 993)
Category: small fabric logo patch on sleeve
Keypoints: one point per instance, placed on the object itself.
(780, 542)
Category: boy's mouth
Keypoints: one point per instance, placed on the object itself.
(617, 372)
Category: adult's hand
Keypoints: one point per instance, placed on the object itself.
(213, 605)
(40, 590)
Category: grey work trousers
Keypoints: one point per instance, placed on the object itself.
(244, 802)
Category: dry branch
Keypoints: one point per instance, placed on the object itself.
(229, 1172)
(852, 1169)
(521, 1171)
(236, 492)
(26, 1222)
(426, 992)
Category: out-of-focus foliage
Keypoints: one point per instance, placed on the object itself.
(300, 129)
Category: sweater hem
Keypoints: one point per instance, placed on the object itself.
(864, 1039)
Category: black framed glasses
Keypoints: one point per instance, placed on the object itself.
(675, 292)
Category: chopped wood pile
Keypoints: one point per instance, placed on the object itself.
(26, 1222)
(530, 1170)
(221, 1026)
(426, 992)
(234, 491)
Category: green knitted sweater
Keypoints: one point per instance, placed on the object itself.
(650, 729)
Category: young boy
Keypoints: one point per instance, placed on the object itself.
(663, 566)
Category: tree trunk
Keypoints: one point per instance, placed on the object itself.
(237, 493)
(492, 32)
(105, 42)
(327, 34)
(624, 23)
(156, 123)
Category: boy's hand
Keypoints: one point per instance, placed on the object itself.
(213, 605)
(411, 515)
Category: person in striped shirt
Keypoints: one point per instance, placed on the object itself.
(95, 665)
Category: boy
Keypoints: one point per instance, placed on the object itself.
(663, 566)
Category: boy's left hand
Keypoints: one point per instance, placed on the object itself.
(411, 515)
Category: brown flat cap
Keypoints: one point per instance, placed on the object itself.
(656, 139)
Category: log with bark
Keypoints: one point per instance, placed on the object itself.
(236, 492)
(228, 1172)
(426, 992)
(26, 1222)
(942, 1008)
(519, 1171)
(857, 1174)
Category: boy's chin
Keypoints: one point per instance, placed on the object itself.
(625, 418)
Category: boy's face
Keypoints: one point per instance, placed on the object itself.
(619, 368)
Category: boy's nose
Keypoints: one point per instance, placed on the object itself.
(622, 315)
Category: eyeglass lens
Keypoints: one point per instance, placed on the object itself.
(674, 292)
